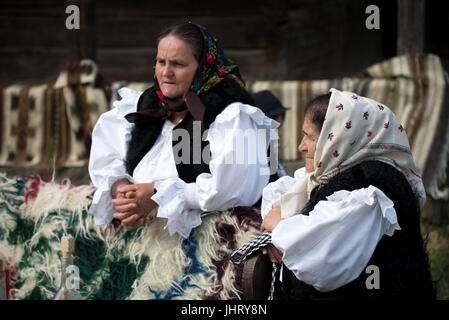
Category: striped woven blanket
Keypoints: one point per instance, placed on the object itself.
(144, 263)
(51, 122)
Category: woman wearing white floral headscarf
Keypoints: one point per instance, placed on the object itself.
(329, 222)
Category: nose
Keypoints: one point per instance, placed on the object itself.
(302, 146)
(167, 70)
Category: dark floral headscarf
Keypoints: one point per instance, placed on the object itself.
(214, 66)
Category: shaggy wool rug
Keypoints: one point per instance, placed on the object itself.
(115, 263)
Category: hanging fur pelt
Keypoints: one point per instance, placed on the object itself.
(142, 263)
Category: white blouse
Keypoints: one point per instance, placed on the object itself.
(333, 244)
(235, 179)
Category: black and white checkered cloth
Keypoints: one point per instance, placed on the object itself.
(252, 246)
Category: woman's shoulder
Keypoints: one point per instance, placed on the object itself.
(238, 110)
(379, 174)
(127, 95)
(126, 104)
(374, 172)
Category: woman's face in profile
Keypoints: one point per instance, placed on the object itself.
(308, 143)
(175, 66)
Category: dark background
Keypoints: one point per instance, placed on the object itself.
(268, 39)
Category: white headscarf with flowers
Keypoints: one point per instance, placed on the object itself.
(355, 129)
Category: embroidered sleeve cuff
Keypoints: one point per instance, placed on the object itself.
(191, 196)
(102, 208)
(172, 203)
(370, 196)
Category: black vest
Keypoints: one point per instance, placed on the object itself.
(401, 259)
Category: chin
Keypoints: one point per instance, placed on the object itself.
(171, 94)
(168, 92)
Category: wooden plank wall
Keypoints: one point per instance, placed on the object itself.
(268, 39)
(33, 40)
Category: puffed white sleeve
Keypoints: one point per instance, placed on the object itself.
(238, 139)
(333, 244)
(110, 138)
(272, 193)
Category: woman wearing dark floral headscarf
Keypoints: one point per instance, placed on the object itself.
(150, 153)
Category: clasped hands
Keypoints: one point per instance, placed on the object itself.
(271, 220)
(132, 202)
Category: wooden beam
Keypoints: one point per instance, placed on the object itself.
(90, 32)
(73, 37)
(411, 26)
(82, 42)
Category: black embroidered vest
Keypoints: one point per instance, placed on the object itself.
(401, 259)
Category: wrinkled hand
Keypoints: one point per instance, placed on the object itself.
(133, 204)
(116, 185)
(274, 254)
(271, 220)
